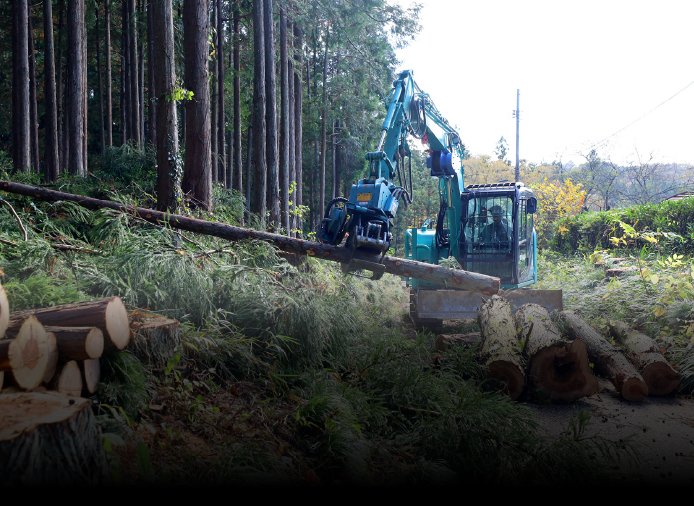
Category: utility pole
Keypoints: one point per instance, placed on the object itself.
(517, 114)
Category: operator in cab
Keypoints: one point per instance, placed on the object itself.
(496, 231)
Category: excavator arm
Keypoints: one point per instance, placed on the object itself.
(366, 219)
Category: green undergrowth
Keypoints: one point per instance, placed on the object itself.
(585, 232)
(282, 374)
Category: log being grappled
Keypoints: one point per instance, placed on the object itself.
(644, 353)
(558, 367)
(450, 278)
(108, 314)
(608, 360)
(500, 350)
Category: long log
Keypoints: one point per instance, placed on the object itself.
(49, 439)
(26, 355)
(75, 343)
(608, 359)
(500, 351)
(644, 353)
(556, 366)
(68, 379)
(108, 314)
(450, 278)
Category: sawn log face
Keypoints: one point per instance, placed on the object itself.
(558, 367)
(50, 439)
(608, 360)
(500, 349)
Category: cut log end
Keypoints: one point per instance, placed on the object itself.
(32, 348)
(562, 371)
(660, 378)
(94, 344)
(634, 390)
(511, 375)
(117, 323)
(91, 370)
(52, 364)
(4, 311)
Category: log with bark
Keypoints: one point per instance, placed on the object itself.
(78, 343)
(444, 342)
(450, 278)
(4, 311)
(26, 355)
(50, 439)
(109, 314)
(644, 354)
(500, 350)
(556, 366)
(608, 359)
(155, 339)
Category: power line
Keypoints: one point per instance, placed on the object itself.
(640, 118)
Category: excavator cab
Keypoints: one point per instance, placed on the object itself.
(497, 236)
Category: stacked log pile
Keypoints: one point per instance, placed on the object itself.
(49, 359)
(529, 349)
(59, 348)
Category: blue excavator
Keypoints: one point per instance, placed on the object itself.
(488, 228)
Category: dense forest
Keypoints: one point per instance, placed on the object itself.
(276, 101)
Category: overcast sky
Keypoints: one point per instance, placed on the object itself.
(585, 71)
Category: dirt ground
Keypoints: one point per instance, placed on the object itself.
(662, 429)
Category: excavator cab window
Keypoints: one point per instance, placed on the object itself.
(490, 224)
(488, 236)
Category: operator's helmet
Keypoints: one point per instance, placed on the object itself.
(497, 211)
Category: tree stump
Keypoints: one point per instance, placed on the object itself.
(558, 367)
(50, 439)
(500, 350)
(608, 360)
(108, 314)
(4, 311)
(154, 339)
(644, 354)
(26, 355)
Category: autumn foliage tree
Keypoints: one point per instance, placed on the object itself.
(556, 200)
